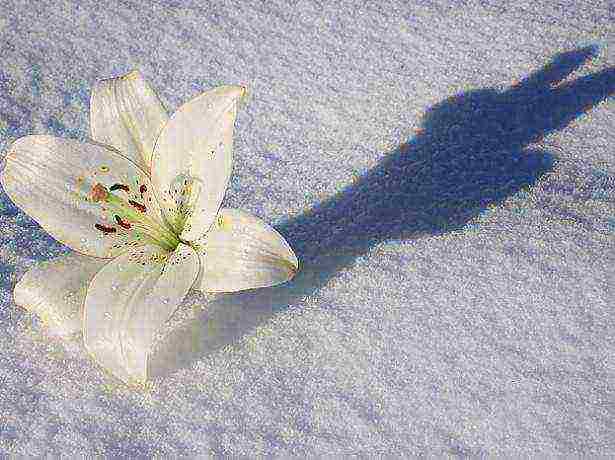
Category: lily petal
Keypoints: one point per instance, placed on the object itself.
(126, 113)
(55, 291)
(243, 252)
(51, 179)
(128, 301)
(192, 160)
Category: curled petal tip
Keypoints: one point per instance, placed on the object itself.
(292, 265)
(292, 268)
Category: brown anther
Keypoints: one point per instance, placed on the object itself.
(143, 189)
(99, 193)
(105, 229)
(119, 187)
(139, 206)
(121, 222)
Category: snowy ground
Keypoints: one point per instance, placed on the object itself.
(446, 175)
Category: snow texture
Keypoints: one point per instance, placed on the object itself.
(445, 172)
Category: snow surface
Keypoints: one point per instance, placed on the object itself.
(445, 171)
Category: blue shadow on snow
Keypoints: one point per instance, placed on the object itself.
(471, 153)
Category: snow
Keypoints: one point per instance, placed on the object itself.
(445, 172)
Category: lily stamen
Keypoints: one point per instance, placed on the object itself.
(121, 222)
(138, 206)
(105, 229)
(119, 187)
(131, 220)
(99, 193)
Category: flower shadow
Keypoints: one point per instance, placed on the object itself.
(472, 152)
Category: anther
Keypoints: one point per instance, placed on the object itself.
(99, 193)
(139, 206)
(121, 223)
(119, 187)
(105, 229)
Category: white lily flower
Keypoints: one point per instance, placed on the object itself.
(141, 206)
